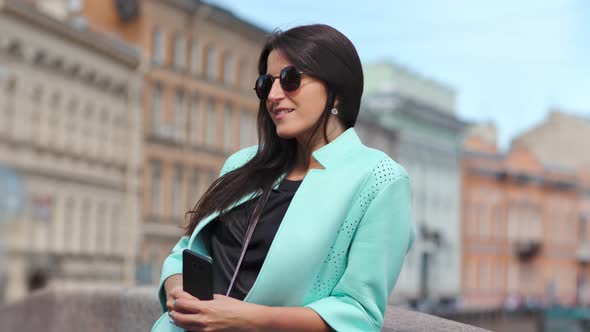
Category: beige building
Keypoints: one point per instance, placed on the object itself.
(70, 128)
(560, 140)
(198, 104)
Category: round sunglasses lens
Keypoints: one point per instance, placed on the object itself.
(263, 86)
(290, 78)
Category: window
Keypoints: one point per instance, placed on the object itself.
(210, 134)
(483, 222)
(195, 58)
(54, 116)
(118, 231)
(85, 218)
(245, 79)
(72, 126)
(36, 112)
(156, 107)
(104, 132)
(103, 229)
(228, 69)
(179, 51)
(227, 128)
(497, 222)
(69, 221)
(194, 192)
(248, 134)
(88, 132)
(245, 131)
(483, 274)
(582, 229)
(177, 205)
(156, 187)
(118, 137)
(211, 63)
(7, 104)
(179, 115)
(499, 275)
(158, 43)
(194, 121)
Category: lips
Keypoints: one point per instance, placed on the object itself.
(282, 112)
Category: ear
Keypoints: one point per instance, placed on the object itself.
(336, 102)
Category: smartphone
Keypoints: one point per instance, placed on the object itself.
(197, 275)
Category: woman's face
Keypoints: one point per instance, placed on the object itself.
(294, 113)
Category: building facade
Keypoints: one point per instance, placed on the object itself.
(199, 105)
(525, 233)
(419, 129)
(70, 130)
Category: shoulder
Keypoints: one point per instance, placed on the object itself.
(379, 166)
(238, 159)
(381, 172)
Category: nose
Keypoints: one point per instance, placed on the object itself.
(276, 93)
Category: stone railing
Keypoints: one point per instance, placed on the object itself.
(116, 309)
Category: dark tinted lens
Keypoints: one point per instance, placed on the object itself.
(263, 86)
(290, 78)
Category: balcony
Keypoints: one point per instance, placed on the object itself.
(527, 249)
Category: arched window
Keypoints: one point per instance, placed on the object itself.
(211, 64)
(158, 45)
(228, 69)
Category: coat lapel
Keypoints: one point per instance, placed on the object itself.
(309, 227)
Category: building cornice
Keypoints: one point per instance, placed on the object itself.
(220, 17)
(115, 49)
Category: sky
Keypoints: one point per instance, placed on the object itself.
(509, 62)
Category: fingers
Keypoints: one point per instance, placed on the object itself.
(187, 306)
(184, 305)
(189, 322)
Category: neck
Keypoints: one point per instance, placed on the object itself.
(305, 160)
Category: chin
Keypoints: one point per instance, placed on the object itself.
(287, 133)
(284, 135)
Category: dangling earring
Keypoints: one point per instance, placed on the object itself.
(334, 111)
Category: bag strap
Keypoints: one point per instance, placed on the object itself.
(249, 232)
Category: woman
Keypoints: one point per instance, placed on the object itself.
(333, 216)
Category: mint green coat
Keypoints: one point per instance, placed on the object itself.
(341, 245)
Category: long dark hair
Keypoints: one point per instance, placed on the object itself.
(321, 52)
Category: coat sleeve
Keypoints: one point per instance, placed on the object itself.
(173, 263)
(377, 251)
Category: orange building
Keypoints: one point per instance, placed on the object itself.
(524, 225)
(200, 66)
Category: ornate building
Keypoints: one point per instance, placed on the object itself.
(198, 104)
(525, 232)
(70, 131)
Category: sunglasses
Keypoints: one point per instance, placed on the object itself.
(290, 78)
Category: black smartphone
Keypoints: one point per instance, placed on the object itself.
(197, 275)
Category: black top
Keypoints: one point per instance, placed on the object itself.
(227, 236)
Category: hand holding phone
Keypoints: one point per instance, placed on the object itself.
(197, 278)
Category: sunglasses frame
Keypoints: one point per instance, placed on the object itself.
(280, 77)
